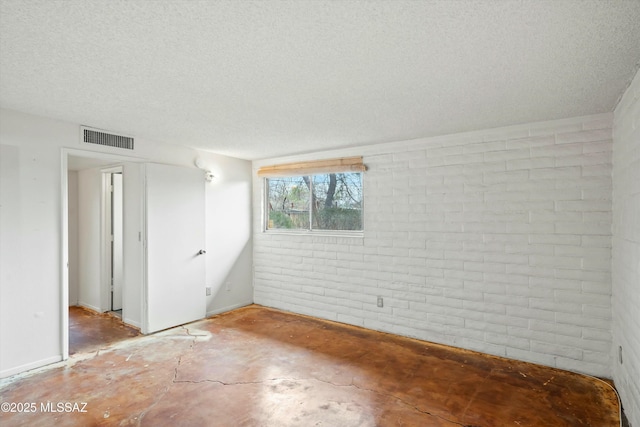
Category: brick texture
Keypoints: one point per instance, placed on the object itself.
(626, 250)
(497, 241)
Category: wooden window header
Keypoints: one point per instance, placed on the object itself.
(345, 164)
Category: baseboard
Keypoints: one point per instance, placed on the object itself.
(90, 307)
(29, 366)
(132, 323)
(228, 308)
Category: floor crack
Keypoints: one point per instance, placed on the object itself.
(174, 380)
(195, 336)
(234, 383)
(477, 389)
(351, 384)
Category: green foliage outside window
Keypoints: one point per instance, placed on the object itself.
(318, 202)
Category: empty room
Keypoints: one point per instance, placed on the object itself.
(320, 213)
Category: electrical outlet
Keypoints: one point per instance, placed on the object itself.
(208, 288)
(380, 302)
(227, 286)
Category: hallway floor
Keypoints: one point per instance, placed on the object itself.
(261, 367)
(90, 331)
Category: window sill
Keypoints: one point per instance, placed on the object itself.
(316, 233)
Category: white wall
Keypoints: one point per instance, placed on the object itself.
(30, 264)
(89, 238)
(497, 241)
(31, 224)
(626, 250)
(229, 243)
(72, 178)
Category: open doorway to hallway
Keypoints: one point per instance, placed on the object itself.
(155, 198)
(95, 248)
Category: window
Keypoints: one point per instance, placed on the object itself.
(324, 201)
(319, 195)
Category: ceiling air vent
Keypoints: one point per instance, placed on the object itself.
(92, 136)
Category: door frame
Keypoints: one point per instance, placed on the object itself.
(113, 159)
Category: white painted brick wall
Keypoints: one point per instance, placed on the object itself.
(626, 250)
(497, 241)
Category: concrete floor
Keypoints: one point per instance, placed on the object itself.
(261, 367)
(90, 331)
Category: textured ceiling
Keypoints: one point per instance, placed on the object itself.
(269, 78)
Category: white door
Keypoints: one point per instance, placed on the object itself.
(175, 208)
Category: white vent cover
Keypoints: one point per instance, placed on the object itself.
(94, 136)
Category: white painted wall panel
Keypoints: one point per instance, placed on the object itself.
(74, 286)
(30, 280)
(89, 238)
(229, 239)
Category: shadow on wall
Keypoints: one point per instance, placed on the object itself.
(229, 246)
(236, 287)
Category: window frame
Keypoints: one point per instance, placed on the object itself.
(310, 230)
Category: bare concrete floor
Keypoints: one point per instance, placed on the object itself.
(261, 367)
(91, 331)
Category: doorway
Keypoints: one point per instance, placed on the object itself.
(101, 200)
(163, 222)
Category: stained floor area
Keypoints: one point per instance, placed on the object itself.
(90, 331)
(261, 367)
